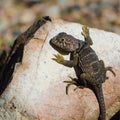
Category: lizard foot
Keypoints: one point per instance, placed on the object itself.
(69, 83)
(74, 81)
(58, 58)
(85, 31)
(110, 69)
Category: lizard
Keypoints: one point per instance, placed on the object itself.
(16, 53)
(90, 71)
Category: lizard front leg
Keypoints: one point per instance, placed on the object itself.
(85, 33)
(68, 63)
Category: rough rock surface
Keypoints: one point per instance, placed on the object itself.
(37, 91)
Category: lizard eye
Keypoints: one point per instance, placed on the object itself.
(62, 40)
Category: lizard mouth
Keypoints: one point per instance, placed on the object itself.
(60, 50)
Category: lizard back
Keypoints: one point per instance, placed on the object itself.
(89, 62)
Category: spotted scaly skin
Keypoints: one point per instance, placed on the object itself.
(90, 71)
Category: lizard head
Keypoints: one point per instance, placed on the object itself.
(64, 43)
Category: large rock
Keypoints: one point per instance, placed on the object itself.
(37, 91)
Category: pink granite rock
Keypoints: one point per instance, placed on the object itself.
(37, 91)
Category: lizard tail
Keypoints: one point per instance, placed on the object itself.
(99, 94)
